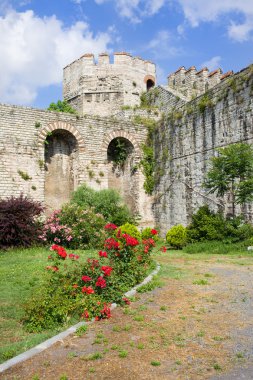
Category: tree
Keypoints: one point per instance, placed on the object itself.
(61, 106)
(232, 171)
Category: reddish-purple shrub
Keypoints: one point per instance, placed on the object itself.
(19, 224)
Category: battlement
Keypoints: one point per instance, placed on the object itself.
(104, 86)
(191, 82)
(119, 58)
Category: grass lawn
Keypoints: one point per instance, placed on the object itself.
(20, 271)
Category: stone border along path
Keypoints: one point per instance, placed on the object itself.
(49, 342)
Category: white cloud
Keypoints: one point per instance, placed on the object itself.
(241, 32)
(135, 10)
(162, 46)
(212, 63)
(34, 50)
(197, 11)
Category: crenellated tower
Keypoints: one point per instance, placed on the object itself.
(192, 83)
(103, 88)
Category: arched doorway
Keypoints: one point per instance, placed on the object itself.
(150, 84)
(61, 153)
(122, 171)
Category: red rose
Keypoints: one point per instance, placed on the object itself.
(111, 244)
(88, 290)
(102, 254)
(101, 283)
(154, 232)
(86, 278)
(130, 241)
(110, 226)
(126, 300)
(107, 270)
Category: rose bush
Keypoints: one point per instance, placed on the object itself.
(75, 289)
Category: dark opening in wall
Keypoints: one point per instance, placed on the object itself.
(150, 84)
(119, 149)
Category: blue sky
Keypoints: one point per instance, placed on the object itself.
(39, 37)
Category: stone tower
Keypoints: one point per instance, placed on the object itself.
(103, 88)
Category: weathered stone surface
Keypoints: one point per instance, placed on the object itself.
(75, 152)
(103, 88)
(188, 139)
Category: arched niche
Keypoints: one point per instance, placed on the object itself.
(61, 167)
(150, 81)
(122, 170)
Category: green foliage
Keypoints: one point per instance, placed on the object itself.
(148, 233)
(208, 225)
(19, 223)
(24, 175)
(144, 100)
(148, 161)
(155, 283)
(120, 151)
(204, 103)
(106, 202)
(177, 236)
(61, 106)
(86, 226)
(131, 230)
(232, 171)
(37, 124)
(74, 289)
(81, 330)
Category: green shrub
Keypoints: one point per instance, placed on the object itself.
(148, 233)
(74, 289)
(177, 236)
(19, 225)
(106, 202)
(208, 225)
(131, 230)
(87, 226)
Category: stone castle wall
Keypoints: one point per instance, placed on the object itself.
(79, 156)
(192, 83)
(187, 140)
(102, 88)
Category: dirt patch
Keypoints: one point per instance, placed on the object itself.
(194, 327)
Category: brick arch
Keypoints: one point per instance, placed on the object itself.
(61, 125)
(120, 133)
(149, 77)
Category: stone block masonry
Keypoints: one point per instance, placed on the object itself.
(187, 140)
(102, 88)
(47, 155)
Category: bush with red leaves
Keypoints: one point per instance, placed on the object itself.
(19, 226)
